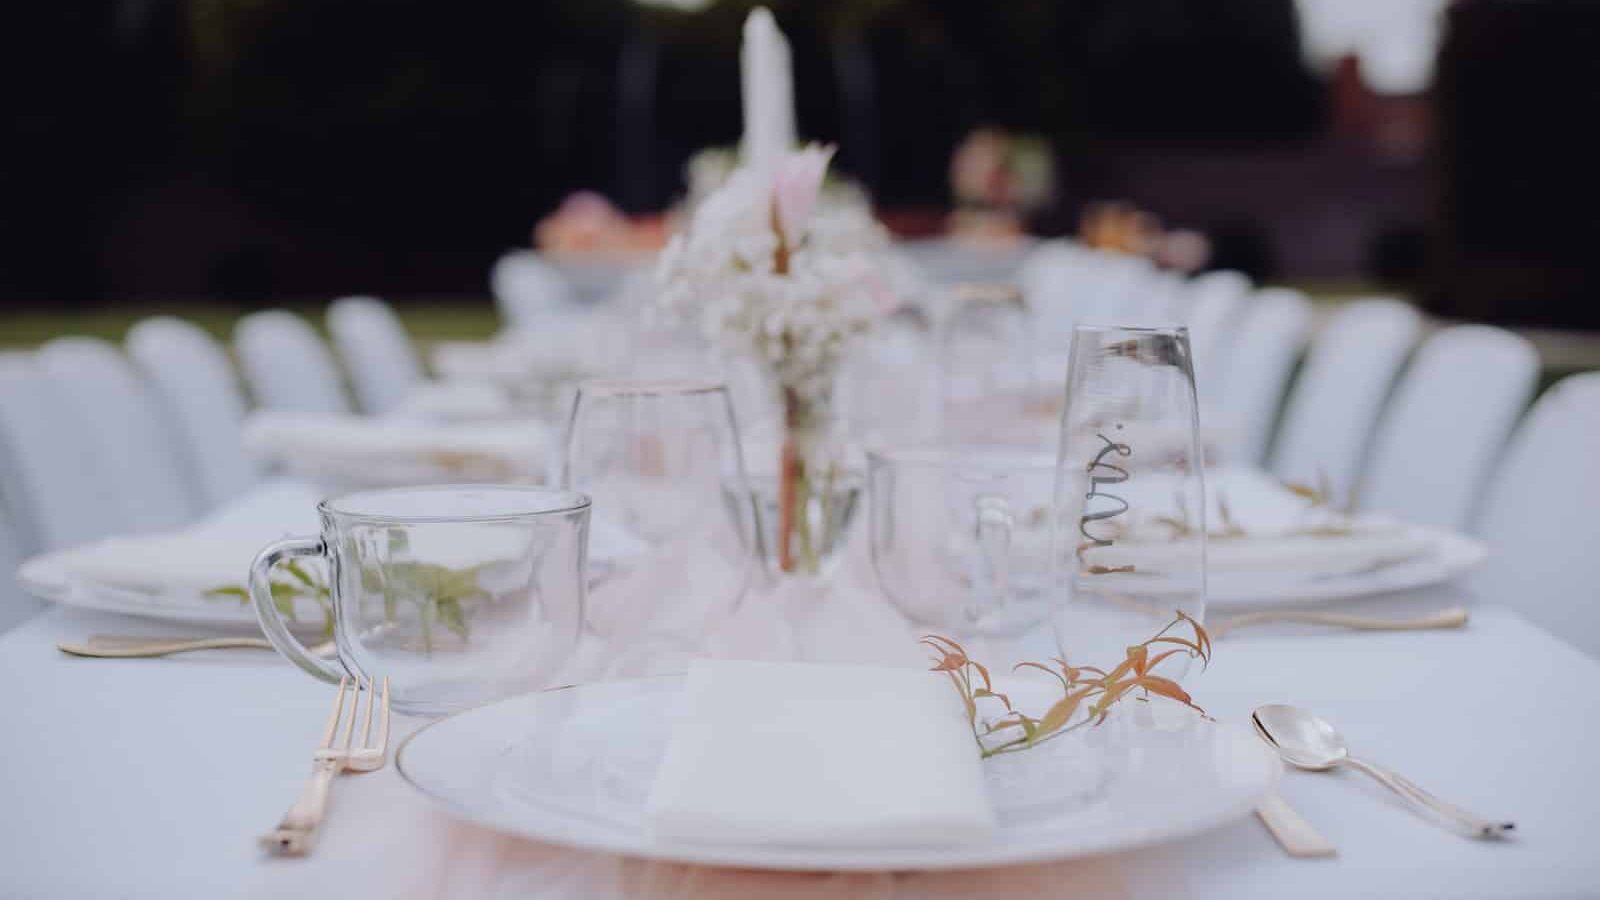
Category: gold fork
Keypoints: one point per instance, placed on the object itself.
(296, 834)
(116, 646)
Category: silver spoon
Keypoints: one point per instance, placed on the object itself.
(1307, 742)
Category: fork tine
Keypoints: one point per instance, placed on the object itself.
(333, 720)
(383, 719)
(355, 713)
(372, 704)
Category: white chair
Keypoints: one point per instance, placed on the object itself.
(15, 604)
(1336, 401)
(1255, 373)
(47, 474)
(1214, 303)
(1447, 423)
(527, 288)
(286, 364)
(1540, 519)
(377, 353)
(128, 433)
(193, 380)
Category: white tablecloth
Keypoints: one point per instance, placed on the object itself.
(152, 777)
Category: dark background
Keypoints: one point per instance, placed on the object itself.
(252, 150)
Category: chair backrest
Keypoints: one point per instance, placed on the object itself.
(15, 604)
(1336, 401)
(191, 377)
(286, 364)
(527, 288)
(1255, 374)
(129, 434)
(1215, 301)
(1539, 517)
(378, 356)
(48, 479)
(1446, 424)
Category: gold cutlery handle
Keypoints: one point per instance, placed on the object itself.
(1294, 834)
(124, 648)
(1454, 617)
(1452, 815)
(297, 833)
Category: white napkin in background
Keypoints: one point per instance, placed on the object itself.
(396, 450)
(819, 755)
(1277, 530)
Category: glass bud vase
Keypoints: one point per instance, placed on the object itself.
(806, 506)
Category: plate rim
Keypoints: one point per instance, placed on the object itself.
(757, 856)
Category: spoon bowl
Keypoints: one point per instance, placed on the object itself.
(1301, 738)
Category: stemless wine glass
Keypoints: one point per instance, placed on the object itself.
(459, 594)
(1129, 531)
(671, 549)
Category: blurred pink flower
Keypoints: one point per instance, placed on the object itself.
(796, 183)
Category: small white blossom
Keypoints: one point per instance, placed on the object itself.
(838, 274)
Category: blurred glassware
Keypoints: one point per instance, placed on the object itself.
(673, 522)
(960, 542)
(1129, 525)
(888, 386)
(458, 594)
(986, 364)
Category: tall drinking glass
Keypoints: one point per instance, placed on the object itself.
(1129, 531)
(459, 594)
(671, 547)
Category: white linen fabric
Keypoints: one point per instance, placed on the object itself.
(357, 451)
(1268, 530)
(15, 604)
(1446, 424)
(528, 289)
(219, 777)
(194, 382)
(377, 353)
(287, 365)
(1338, 396)
(815, 755)
(47, 473)
(127, 435)
(1541, 515)
(1257, 367)
(1216, 301)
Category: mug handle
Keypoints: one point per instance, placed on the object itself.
(272, 624)
(992, 533)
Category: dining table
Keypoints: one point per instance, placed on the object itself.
(153, 777)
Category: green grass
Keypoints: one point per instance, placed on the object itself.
(428, 320)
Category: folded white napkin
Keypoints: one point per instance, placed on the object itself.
(375, 451)
(1281, 532)
(816, 755)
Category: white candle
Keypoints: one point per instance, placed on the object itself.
(768, 90)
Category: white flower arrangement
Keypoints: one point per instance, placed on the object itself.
(764, 268)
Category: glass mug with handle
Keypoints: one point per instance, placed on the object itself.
(459, 594)
(960, 542)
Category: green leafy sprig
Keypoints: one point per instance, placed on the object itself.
(1092, 690)
(301, 584)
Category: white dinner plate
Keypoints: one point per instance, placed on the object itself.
(46, 577)
(573, 766)
(1451, 556)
